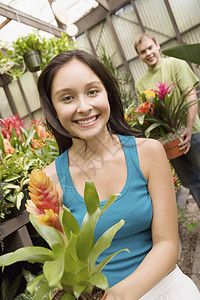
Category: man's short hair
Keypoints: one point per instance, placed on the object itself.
(141, 37)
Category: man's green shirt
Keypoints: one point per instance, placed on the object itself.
(173, 70)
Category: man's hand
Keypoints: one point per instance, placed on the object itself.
(186, 136)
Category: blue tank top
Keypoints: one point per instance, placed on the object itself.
(133, 205)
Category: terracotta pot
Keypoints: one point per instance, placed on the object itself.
(104, 296)
(59, 293)
(172, 149)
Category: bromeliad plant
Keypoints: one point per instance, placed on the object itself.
(21, 150)
(157, 117)
(69, 266)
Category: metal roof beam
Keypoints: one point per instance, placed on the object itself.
(26, 19)
(104, 3)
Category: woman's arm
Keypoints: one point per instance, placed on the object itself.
(163, 256)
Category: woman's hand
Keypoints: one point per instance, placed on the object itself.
(113, 295)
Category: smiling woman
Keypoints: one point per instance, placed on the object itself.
(82, 105)
(82, 109)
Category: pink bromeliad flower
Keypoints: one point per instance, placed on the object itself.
(163, 89)
(11, 123)
(44, 203)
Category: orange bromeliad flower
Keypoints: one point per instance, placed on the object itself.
(42, 133)
(144, 108)
(7, 147)
(44, 203)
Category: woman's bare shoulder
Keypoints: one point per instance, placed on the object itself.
(149, 145)
(150, 153)
(50, 171)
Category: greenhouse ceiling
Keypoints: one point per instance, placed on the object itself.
(50, 13)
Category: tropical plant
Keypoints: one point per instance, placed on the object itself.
(70, 263)
(21, 150)
(187, 52)
(157, 117)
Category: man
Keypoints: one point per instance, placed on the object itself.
(161, 69)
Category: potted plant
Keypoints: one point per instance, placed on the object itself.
(158, 118)
(22, 148)
(10, 68)
(32, 51)
(69, 266)
(29, 48)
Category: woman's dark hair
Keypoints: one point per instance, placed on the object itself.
(116, 122)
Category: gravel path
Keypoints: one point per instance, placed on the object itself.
(189, 241)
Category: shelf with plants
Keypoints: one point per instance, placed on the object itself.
(23, 147)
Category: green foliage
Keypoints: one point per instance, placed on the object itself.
(183, 219)
(31, 151)
(124, 80)
(187, 52)
(12, 61)
(70, 263)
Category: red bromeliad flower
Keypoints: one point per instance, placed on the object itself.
(41, 131)
(11, 123)
(44, 203)
(164, 89)
(37, 144)
(8, 147)
(145, 107)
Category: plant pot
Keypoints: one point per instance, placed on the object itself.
(33, 60)
(172, 149)
(97, 294)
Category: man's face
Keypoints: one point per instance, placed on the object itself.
(148, 52)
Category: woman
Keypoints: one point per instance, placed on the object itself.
(81, 103)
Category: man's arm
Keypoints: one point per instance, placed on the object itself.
(191, 114)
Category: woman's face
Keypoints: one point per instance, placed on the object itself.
(80, 101)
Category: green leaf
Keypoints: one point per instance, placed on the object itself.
(192, 225)
(69, 223)
(35, 283)
(99, 280)
(103, 243)
(71, 247)
(68, 297)
(101, 265)
(91, 197)
(11, 186)
(85, 239)
(111, 199)
(78, 289)
(50, 235)
(28, 275)
(42, 291)
(11, 292)
(12, 178)
(20, 196)
(141, 119)
(53, 271)
(150, 128)
(187, 52)
(31, 254)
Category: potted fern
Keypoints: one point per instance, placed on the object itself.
(69, 266)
